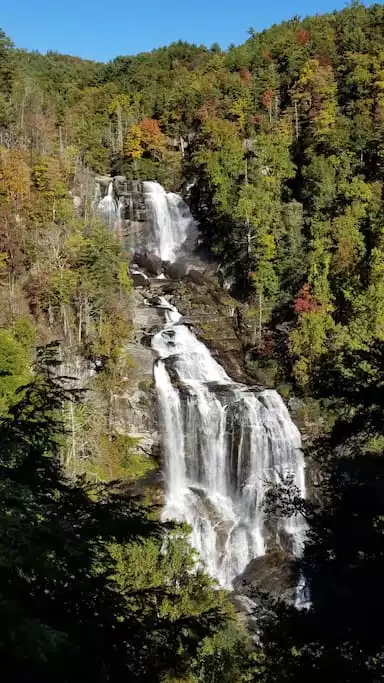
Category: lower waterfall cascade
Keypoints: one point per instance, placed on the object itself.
(223, 442)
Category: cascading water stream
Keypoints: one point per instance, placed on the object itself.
(170, 218)
(224, 444)
(168, 215)
(108, 208)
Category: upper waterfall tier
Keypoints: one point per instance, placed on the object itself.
(145, 216)
(170, 218)
(224, 444)
(107, 206)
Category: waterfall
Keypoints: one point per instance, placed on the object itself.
(224, 443)
(146, 216)
(107, 207)
(170, 218)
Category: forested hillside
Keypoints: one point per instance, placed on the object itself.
(282, 139)
(278, 145)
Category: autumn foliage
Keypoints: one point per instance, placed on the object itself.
(153, 139)
(267, 99)
(303, 36)
(304, 302)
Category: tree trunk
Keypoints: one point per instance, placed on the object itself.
(61, 144)
(110, 414)
(249, 238)
(11, 294)
(277, 107)
(73, 430)
(296, 121)
(87, 316)
(80, 321)
(120, 141)
(51, 317)
(182, 146)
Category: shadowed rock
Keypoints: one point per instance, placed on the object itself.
(149, 262)
(274, 573)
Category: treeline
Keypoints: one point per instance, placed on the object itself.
(282, 139)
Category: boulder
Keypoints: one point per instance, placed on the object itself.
(149, 262)
(169, 288)
(275, 572)
(185, 320)
(176, 271)
(139, 280)
(196, 277)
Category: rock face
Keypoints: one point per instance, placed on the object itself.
(134, 225)
(135, 412)
(274, 573)
(149, 262)
(207, 308)
(213, 313)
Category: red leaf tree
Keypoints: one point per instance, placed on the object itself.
(304, 302)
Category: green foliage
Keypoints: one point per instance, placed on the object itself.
(336, 637)
(223, 659)
(24, 331)
(14, 368)
(90, 583)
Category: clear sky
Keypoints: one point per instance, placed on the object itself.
(103, 29)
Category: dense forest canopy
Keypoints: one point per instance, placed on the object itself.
(282, 138)
(278, 145)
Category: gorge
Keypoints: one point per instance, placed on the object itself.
(223, 442)
(192, 297)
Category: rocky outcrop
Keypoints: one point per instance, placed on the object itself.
(149, 262)
(135, 226)
(213, 314)
(175, 271)
(139, 279)
(209, 309)
(135, 411)
(274, 573)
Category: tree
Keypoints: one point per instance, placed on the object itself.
(132, 143)
(6, 78)
(152, 138)
(316, 91)
(336, 637)
(74, 599)
(14, 369)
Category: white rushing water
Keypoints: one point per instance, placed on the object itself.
(168, 214)
(170, 218)
(224, 445)
(107, 207)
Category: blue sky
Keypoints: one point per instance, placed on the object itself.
(102, 30)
